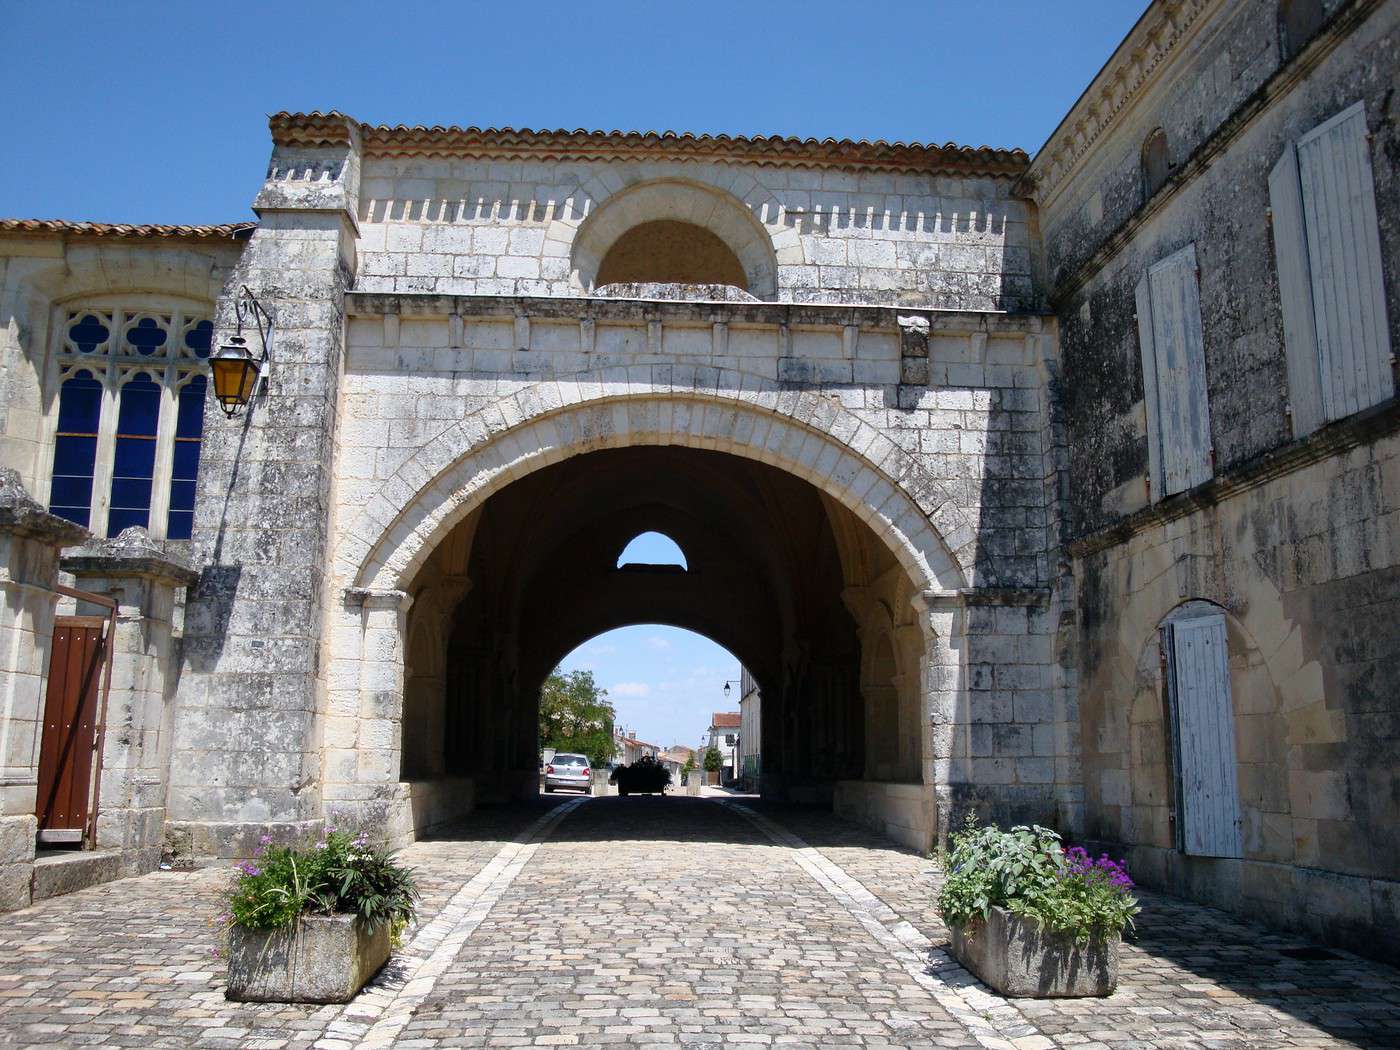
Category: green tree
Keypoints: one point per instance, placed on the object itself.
(713, 759)
(575, 716)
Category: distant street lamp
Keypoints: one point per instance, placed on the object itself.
(732, 681)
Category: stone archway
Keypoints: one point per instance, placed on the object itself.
(384, 552)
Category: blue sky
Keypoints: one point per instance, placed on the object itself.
(663, 681)
(139, 111)
(143, 111)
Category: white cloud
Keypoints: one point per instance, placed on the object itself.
(630, 689)
(657, 642)
(601, 650)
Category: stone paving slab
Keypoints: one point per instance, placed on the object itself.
(666, 921)
(670, 921)
(131, 963)
(1190, 976)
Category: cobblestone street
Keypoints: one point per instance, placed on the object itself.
(673, 921)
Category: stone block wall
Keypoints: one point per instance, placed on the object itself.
(475, 227)
(1293, 540)
(421, 370)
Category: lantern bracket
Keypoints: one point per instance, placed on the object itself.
(246, 304)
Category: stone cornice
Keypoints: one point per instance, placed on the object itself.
(132, 553)
(1132, 68)
(22, 515)
(432, 304)
(1335, 438)
(511, 144)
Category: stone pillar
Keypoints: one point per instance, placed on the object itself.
(362, 787)
(247, 751)
(144, 580)
(946, 715)
(30, 539)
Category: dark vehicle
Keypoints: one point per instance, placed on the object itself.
(646, 776)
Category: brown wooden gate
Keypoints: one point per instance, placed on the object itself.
(70, 727)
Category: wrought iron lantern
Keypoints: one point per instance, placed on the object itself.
(235, 369)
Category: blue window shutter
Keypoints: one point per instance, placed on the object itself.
(1183, 413)
(1295, 294)
(1344, 254)
(1208, 801)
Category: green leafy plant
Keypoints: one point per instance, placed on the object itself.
(337, 874)
(713, 759)
(1026, 871)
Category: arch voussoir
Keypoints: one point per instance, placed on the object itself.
(541, 423)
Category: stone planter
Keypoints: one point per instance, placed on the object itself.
(1020, 959)
(323, 959)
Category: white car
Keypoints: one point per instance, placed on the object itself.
(571, 772)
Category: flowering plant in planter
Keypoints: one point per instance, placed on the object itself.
(1033, 918)
(313, 923)
(339, 874)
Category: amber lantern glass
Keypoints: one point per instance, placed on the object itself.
(235, 374)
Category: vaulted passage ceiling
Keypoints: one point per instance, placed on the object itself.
(771, 564)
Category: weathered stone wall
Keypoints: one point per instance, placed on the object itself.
(466, 227)
(246, 759)
(1297, 541)
(434, 381)
(1228, 107)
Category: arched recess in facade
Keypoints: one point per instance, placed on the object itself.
(684, 201)
(877, 550)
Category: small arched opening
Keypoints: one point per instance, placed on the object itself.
(1156, 164)
(652, 550)
(666, 251)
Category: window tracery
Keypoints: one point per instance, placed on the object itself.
(129, 418)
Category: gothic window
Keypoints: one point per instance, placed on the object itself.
(1156, 165)
(129, 419)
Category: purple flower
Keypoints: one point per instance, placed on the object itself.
(249, 868)
(266, 840)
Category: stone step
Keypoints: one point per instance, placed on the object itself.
(57, 872)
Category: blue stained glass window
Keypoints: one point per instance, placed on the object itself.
(87, 333)
(199, 338)
(135, 454)
(189, 429)
(146, 335)
(75, 447)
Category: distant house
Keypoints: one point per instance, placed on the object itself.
(724, 735)
(750, 735)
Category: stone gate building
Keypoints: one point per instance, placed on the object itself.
(1060, 489)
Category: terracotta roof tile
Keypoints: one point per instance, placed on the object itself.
(313, 129)
(226, 231)
(725, 720)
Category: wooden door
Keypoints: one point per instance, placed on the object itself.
(1208, 797)
(69, 728)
